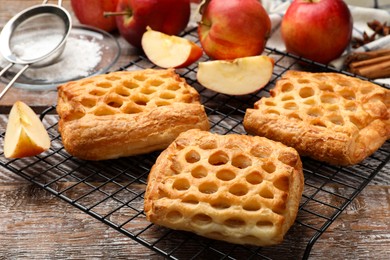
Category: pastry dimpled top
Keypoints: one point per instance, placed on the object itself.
(126, 113)
(328, 116)
(236, 188)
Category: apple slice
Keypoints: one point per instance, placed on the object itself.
(169, 51)
(236, 77)
(25, 134)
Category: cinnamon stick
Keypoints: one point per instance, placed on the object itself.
(372, 64)
(358, 56)
(373, 70)
(367, 62)
(374, 73)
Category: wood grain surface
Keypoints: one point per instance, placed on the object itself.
(37, 225)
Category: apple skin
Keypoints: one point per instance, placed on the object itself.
(90, 12)
(166, 16)
(318, 30)
(233, 29)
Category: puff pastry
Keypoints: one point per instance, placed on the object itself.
(236, 188)
(330, 117)
(126, 113)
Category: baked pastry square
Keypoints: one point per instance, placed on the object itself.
(236, 188)
(330, 117)
(126, 113)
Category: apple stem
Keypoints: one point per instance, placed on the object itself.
(107, 14)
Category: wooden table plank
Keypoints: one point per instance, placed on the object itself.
(37, 225)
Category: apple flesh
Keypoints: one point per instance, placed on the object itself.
(233, 29)
(318, 30)
(169, 51)
(166, 16)
(25, 134)
(236, 77)
(90, 12)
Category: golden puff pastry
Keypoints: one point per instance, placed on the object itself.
(126, 113)
(330, 117)
(236, 188)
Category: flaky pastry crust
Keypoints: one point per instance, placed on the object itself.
(236, 188)
(330, 117)
(126, 113)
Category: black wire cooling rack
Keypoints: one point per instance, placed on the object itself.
(112, 191)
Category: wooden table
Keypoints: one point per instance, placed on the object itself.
(36, 225)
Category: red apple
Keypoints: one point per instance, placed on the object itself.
(166, 16)
(90, 12)
(233, 29)
(318, 30)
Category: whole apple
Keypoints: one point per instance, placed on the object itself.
(166, 16)
(233, 29)
(90, 12)
(319, 30)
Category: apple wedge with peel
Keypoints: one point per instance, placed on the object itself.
(169, 51)
(236, 77)
(25, 134)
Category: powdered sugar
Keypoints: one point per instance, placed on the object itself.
(36, 47)
(79, 58)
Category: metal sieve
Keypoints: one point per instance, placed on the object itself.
(34, 37)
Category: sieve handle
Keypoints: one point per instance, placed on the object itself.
(13, 79)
